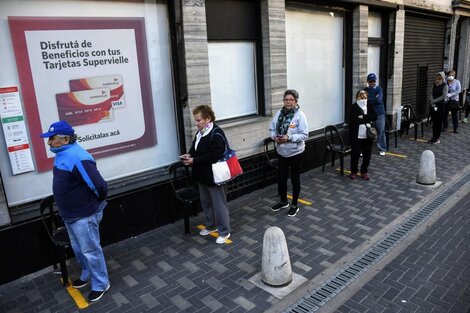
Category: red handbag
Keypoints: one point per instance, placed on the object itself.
(228, 167)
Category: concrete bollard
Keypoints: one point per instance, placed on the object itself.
(427, 169)
(275, 265)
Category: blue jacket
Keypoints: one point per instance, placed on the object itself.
(79, 189)
(375, 96)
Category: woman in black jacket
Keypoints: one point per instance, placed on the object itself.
(207, 148)
(362, 113)
(438, 96)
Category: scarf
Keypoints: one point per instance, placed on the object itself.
(284, 120)
(60, 149)
(207, 129)
(362, 131)
(363, 107)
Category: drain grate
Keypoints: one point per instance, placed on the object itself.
(332, 286)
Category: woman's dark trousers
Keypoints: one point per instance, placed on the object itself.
(293, 163)
(453, 107)
(359, 146)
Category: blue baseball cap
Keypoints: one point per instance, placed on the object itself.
(59, 128)
(371, 76)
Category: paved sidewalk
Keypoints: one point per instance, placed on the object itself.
(164, 271)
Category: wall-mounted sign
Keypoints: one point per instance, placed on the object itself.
(92, 73)
(14, 130)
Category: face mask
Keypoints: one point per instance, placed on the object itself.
(362, 103)
(59, 149)
(450, 77)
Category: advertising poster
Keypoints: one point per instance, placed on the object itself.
(92, 73)
(14, 130)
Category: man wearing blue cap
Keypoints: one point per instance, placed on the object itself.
(375, 95)
(80, 192)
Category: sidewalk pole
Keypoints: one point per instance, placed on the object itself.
(275, 266)
(427, 169)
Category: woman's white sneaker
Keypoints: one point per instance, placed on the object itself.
(222, 239)
(205, 231)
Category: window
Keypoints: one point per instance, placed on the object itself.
(315, 64)
(138, 128)
(375, 25)
(373, 60)
(233, 78)
(373, 51)
(235, 65)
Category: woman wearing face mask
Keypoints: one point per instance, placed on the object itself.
(207, 148)
(289, 129)
(438, 95)
(453, 100)
(362, 113)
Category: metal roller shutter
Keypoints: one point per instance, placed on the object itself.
(423, 58)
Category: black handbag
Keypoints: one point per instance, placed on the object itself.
(371, 132)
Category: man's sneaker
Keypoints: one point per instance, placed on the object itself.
(205, 231)
(465, 120)
(79, 284)
(382, 153)
(222, 239)
(365, 176)
(353, 176)
(280, 205)
(436, 142)
(293, 210)
(96, 295)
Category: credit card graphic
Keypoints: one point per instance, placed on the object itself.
(85, 107)
(113, 82)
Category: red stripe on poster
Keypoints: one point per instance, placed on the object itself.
(18, 147)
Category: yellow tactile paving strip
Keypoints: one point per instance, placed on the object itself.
(76, 296)
(214, 234)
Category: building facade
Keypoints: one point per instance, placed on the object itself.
(167, 57)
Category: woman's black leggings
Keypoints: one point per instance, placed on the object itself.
(359, 146)
(436, 118)
(293, 163)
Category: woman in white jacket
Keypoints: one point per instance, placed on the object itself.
(289, 129)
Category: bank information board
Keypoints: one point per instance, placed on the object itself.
(14, 130)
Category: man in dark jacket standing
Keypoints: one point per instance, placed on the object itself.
(375, 96)
(80, 192)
